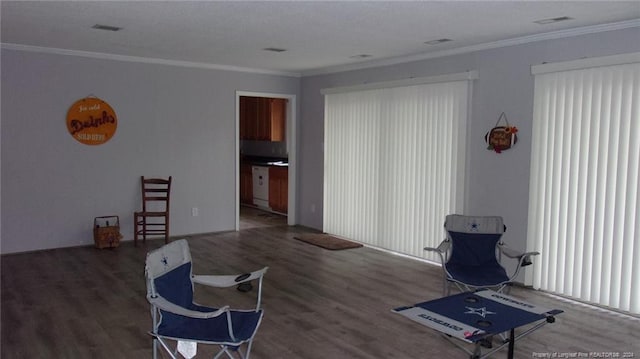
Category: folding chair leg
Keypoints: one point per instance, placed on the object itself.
(249, 349)
(157, 341)
(155, 348)
(225, 350)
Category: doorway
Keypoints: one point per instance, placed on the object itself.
(255, 218)
(290, 140)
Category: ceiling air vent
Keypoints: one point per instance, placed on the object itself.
(361, 56)
(106, 27)
(274, 49)
(436, 42)
(551, 21)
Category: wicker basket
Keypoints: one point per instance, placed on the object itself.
(106, 232)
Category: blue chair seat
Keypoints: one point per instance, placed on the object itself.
(210, 330)
(477, 276)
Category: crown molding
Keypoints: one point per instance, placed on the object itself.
(486, 46)
(612, 60)
(461, 76)
(339, 68)
(147, 60)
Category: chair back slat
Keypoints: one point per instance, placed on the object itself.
(160, 181)
(156, 198)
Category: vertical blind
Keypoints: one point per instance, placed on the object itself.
(583, 211)
(394, 164)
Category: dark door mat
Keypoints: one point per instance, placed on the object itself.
(327, 241)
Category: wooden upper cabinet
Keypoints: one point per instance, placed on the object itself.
(278, 108)
(248, 113)
(262, 119)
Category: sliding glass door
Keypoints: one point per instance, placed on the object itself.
(394, 163)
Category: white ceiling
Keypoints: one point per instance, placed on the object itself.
(319, 36)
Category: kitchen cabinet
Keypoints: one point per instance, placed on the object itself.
(246, 184)
(262, 118)
(277, 114)
(248, 118)
(279, 189)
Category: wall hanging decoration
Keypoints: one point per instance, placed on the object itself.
(501, 138)
(91, 121)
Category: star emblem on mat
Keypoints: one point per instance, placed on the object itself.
(480, 311)
(473, 226)
(165, 261)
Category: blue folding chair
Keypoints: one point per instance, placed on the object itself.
(176, 318)
(471, 254)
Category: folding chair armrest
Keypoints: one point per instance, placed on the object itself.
(523, 257)
(223, 281)
(512, 253)
(166, 305)
(442, 249)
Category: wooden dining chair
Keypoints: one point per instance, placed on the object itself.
(154, 217)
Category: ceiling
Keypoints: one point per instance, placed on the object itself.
(318, 36)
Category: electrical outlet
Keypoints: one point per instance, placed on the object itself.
(194, 211)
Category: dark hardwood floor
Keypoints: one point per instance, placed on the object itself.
(89, 303)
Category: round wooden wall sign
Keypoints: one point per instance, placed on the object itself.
(91, 121)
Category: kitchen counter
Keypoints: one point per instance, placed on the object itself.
(264, 182)
(265, 161)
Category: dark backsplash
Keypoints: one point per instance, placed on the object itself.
(264, 149)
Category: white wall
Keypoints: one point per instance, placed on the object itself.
(180, 121)
(498, 184)
(171, 121)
